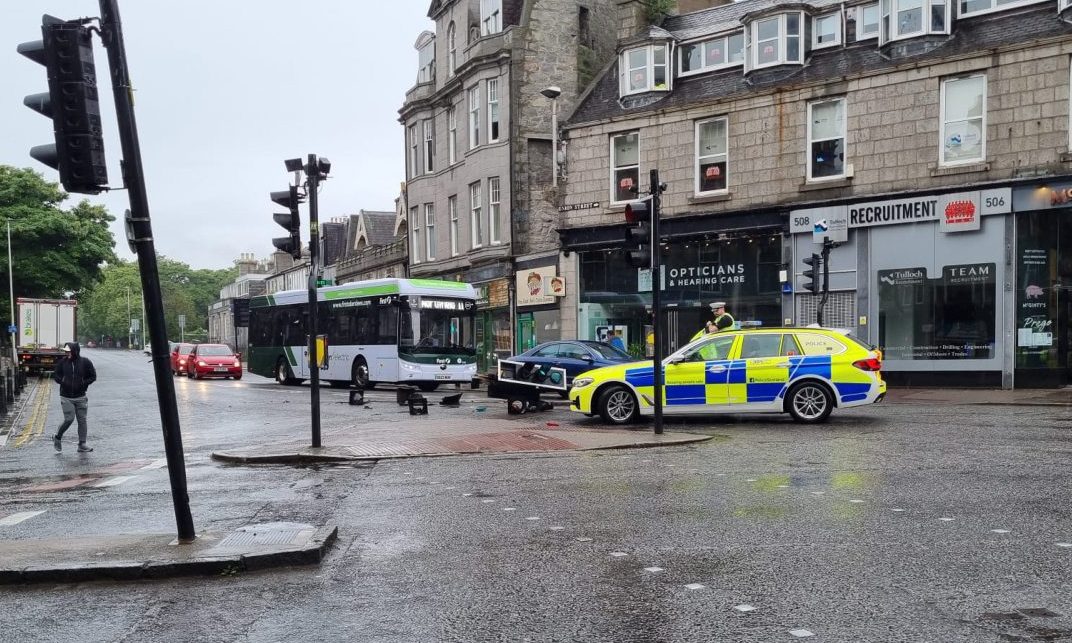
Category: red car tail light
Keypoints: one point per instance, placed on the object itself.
(869, 364)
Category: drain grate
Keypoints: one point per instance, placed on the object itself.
(268, 534)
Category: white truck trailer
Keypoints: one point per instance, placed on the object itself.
(45, 325)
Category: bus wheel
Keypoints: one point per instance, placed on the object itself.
(282, 373)
(360, 374)
(428, 387)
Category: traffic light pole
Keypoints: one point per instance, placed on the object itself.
(134, 180)
(656, 300)
(312, 173)
(827, 245)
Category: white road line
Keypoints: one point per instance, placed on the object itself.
(15, 519)
(155, 464)
(111, 482)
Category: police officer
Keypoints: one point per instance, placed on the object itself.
(723, 320)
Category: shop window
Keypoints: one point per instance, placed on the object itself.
(625, 166)
(867, 22)
(1043, 298)
(911, 18)
(776, 41)
(643, 69)
(826, 139)
(711, 156)
(826, 31)
(949, 317)
(708, 55)
(976, 7)
(963, 127)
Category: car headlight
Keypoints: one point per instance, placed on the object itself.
(582, 382)
(202, 363)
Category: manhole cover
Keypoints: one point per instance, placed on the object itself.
(267, 534)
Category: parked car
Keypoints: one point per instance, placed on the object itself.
(214, 360)
(575, 356)
(180, 355)
(805, 372)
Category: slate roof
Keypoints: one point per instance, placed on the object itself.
(971, 35)
(379, 226)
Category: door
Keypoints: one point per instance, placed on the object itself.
(526, 332)
(766, 364)
(701, 378)
(481, 325)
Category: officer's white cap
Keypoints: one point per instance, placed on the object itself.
(718, 304)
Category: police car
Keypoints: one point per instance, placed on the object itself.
(805, 372)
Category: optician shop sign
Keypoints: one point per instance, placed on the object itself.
(955, 212)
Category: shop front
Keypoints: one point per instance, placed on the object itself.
(539, 290)
(929, 273)
(492, 329)
(614, 302)
(1043, 284)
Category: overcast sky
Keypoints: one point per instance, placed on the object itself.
(225, 91)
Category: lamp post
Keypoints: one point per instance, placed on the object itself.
(553, 93)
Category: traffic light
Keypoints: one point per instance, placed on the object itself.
(814, 262)
(638, 241)
(66, 51)
(289, 220)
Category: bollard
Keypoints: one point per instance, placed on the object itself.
(357, 397)
(418, 404)
(403, 393)
(4, 382)
(10, 388)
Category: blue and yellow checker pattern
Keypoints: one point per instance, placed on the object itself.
(739, 385)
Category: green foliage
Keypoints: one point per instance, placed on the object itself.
(184, 291)
(656, 10)
(54, 251)
(637, 350)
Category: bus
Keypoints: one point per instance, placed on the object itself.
(402, 331)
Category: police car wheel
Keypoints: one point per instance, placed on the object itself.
(617, 405)
(810, 402)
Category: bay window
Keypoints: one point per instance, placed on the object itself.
(493, 110)
(776, 41)
(643, 69)
(452, 49)
(414, 161)
(474, 216)
(415, 235)
(707, 55)
(624, 166)
(711, 156)
(429, 231)
(493, 210)
(826, 139)
(490, 17)
(474, 117)
(452, 134)
(963, 126)
(429, 146)
(452, 214)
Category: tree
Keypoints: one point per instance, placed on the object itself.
(54, 251)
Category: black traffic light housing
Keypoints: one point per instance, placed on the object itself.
(66, 51)
(638, 241)
(291, 221)
(814, 262)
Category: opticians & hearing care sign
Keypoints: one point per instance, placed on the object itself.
(955, 212)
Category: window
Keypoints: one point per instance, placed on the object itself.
(963, 131)
(776, 40)
(415, 235)
(429, 231)
(493, 210)
(452, 134)
(490, 17)
(971, 7)
(429, 146)
(414, 162)
(712, 54)
(761, 345)
(826, 139)
(910, 18)
(452, 50)
(474, 215)
(642, 69)
(474, 117)
(827, 31)
(426, 60)
(625, 166)
(711, 144)
(867, 22)
(452, 214)
(493, 110)
(1064, 4)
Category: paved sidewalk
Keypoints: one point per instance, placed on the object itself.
(135, 556)
(1018, 397)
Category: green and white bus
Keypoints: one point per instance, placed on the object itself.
(411, 331)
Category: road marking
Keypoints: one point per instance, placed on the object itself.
(800, 634)
(1000, 531)
(155, 464)
(556, 528)
(744, 608)
(532, 518)
(653, 570)
(1064, 544)
(111, 482)
(946, 519)
(618, 554)
(856, 501)
(15, 519)
(695, 586)
(509, 508)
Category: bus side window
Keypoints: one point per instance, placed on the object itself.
(387, 328)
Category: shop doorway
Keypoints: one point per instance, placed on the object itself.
(681, 323)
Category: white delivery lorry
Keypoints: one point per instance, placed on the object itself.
(45, 325)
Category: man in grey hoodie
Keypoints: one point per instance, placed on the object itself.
(74, 374)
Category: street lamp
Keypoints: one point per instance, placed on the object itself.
(553, 92)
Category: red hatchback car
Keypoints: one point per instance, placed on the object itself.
(180, 356)
(213, 360)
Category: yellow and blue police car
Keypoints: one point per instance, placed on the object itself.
(805, 372)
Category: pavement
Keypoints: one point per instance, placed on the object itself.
(479, 426)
